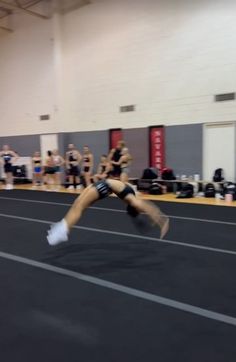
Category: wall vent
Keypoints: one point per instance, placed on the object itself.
(44, 117)
(129, 108)
(224, 97)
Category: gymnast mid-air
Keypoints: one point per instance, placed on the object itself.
(59, 231)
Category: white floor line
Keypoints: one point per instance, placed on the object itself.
(184, 307)
(121, 211)
(135, 236)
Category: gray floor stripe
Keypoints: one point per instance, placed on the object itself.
(179, 243)
(122, 211)
(126, 290)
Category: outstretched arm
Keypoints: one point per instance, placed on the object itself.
(153, 212)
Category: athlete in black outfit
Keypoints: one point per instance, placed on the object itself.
(7, 157)
(73, 158)
(115, 155)
(87, 165)
(101, 189)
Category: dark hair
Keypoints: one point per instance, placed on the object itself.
(49, 153)
(104, 156)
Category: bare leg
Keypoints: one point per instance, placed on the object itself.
(87, 197)
(59, 231)
(87, 177)
(153, 212)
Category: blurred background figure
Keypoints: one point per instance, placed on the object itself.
(102, 170)
(73, 159)
(37, 168)
(8, 157)
(50, 171)
(114, 156)
(59, 162)
(124, 163)
(87, 165)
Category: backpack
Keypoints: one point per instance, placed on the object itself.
(218, 175)
(186, 192)
(168, 174)
(230, 188)
(155, 189)
(150, 173)
(210, 190)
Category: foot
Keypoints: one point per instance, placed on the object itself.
(58, 233)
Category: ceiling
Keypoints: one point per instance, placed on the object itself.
(8, 7)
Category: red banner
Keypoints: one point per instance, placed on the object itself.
(115, 136)
(157, 147)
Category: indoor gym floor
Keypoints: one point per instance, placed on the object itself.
(113, 294)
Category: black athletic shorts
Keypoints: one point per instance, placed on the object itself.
(102, 188)
(74, 171)
(127, 191)
(8, 168)
(49, 170)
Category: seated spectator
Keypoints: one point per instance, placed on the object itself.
(102, 170)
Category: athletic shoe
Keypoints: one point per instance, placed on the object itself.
(71, 187)
(78, 187)
(9, 187)
(58, 233)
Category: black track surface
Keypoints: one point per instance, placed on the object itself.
(46, 317)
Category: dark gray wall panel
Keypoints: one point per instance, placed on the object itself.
(24, 145)
(184, 144)
(138, 144)
(98, 142)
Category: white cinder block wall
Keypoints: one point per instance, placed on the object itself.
(168, 58)
(27, 77)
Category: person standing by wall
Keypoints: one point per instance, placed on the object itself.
(50, 171)
(87, 165)
(7, 157)
(73, 159)
(37, 169)
(124, 163)
(114, 156)
(59, 162)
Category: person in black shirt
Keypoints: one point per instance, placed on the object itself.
(115, 155)
(7, 157)
(73, 159)
(87, 165)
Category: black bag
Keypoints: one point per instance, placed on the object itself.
(218, 175)
(19, 171)
(230, 188)
(155, 189)
(150, 173)
(186, 192)
(168, 174)
(210, 190)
